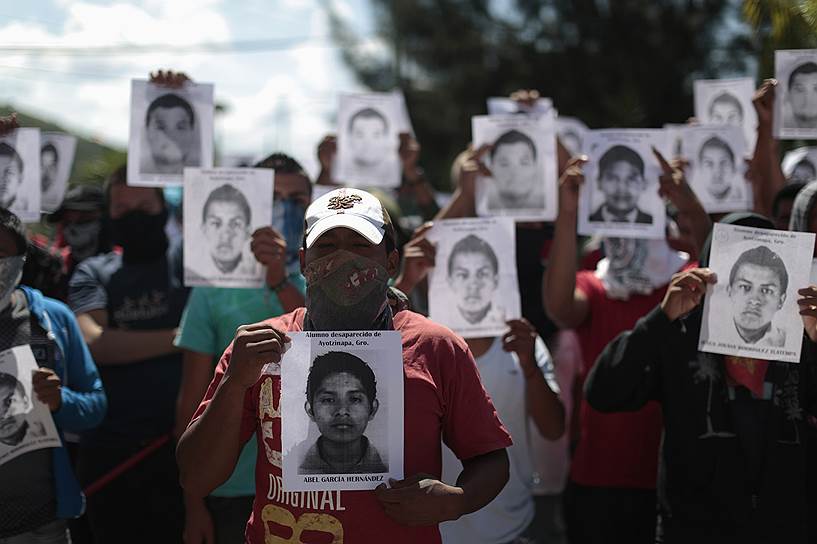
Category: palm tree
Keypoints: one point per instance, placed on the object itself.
(781, 24)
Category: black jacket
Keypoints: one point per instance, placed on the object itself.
(732, 468)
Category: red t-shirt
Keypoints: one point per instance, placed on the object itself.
(444, 398)
(614, 450)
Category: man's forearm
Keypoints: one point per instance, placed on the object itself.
(208, 450)
(482, 478)
(559, 280)
(461, 205)
(120, 347)
(544, 406)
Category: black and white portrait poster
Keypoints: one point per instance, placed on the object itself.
(522, 161)
(473, 288)
(56, 160)
(727, 102)
(752, 310)
(341, 410)
(619, 197)
(369, 128)
(170, 129)
(571, 133)
(795, 116)
(500, 105)
(718, 169)
(25, 422)
(222, 208)
(20, 173)
(800, 165)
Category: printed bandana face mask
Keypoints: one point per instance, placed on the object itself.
(345, 291)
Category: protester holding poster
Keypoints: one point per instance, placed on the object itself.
(348, 255)
(48, 385)
(734, 453)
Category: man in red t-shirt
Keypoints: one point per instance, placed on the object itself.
(611, 492)
(348, 256)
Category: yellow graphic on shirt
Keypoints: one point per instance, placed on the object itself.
(323, 523)
(266, 407)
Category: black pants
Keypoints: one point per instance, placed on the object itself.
(607, 515)
(142, 505)
(230, 516)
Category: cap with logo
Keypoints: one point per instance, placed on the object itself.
(353, 209)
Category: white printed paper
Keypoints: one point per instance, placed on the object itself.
(56, 160)
(500, 105)
(522, 161)
(473, 289)
(170, 129)
(752, 310)
(717, 168)
(727, 102)
(341, 410)
(25, 422)
(20, 173)
(795, 116)
(369, 128)
(572, 133)
(222, 208)
(619, 197)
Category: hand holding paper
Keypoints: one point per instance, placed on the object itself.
(685, 291)
(808, 310)
(253, 347)
(420, 500)
(48, 387)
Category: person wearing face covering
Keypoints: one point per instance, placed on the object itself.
(128, 306)
(208, 325)
(612, 482)
(733, 459)
(39, 491)
(347, 257)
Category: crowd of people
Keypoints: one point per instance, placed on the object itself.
(593, 419)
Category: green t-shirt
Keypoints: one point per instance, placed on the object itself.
(208, 325)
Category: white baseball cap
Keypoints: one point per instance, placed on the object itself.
(353, 209)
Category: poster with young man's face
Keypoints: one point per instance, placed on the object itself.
(619, 197)
(222, 208)
(727, 102)
(170, 129)
(473, 288)
(796, 94)
(752, 310)
(717, 169)
(522, 162)
(369, 140)
(26, 424)
(20, 173)
(572, 133)
(502, 105)
(341, 410)
(56, 160)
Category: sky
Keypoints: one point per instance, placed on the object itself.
(281, 99)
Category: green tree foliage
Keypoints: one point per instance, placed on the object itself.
(625, 63)
(781, 24)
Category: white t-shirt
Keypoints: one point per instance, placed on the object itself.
(551, 458)
(510, 513)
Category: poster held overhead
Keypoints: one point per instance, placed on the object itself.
(369, 128)
(170, 129)
(522, 161)
(718, 170)
(619, 197)
(20, 190)
(727, 102)
(795, 116)
(56, 160)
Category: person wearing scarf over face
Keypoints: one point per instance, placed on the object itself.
(38, 489)
(733, 457)
(349, 235)
(210, 320)
(128, 306)
(610, 496)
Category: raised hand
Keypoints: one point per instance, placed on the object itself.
(685, 291)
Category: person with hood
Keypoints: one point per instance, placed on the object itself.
(733, 458)
(39, 491)
(611, 488)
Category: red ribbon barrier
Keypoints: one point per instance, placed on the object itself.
(126, 465)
